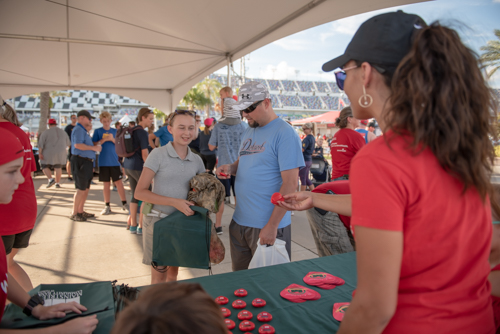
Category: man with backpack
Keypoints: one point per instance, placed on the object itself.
(137, 143)
(109, 166)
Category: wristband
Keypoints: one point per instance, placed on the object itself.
(32, 303)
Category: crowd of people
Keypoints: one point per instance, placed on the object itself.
(417, 204)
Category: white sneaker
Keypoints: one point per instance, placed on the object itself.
(125, 207)
(106, 211)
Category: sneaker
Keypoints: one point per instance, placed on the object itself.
(51, 183)
(88, 215)
(70, 178)
(114, 189)
(78, 218)
(139, 230)
(106, 210)
(125, 207)
(133, 229)
(218, 230)
(92, 182)
(58, 185)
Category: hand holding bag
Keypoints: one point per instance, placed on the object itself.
(269, 255)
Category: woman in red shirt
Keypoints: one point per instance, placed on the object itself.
(345, 144)
(421, 193)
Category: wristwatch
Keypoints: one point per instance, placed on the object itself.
(34, 301)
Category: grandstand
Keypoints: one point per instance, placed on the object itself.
(289, 85)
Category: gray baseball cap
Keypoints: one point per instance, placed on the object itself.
(250, 93)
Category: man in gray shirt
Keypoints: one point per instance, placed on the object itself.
(52, 152)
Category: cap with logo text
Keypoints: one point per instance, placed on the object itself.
(250, 93)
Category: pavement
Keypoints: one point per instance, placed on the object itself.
(101, 249)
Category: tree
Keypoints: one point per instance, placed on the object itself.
(491, 56)
(211, 88)
(45, 105)
(195, 98)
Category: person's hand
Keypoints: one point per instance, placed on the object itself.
(98, 148)
(57, 311)
(223, 172)
(184, 206)
(41, 156)
(82, 325)
(268, 235)
(297, 201)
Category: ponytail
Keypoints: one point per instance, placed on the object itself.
(440, 98)
(341, 121)
(9, 114)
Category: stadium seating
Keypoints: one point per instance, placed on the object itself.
(306, 86)
(289, 85)
(312, 102)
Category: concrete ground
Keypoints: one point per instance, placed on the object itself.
(101, 249)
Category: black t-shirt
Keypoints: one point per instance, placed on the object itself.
(196, 143)
(308, 147)
(68, 129)
(319, 151)
(140, 140)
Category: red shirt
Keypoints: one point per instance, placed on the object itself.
(20, 214)
(345, 144)
(340, 188)
(443, 285)
(3, 277)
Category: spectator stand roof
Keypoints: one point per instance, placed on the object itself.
(152, 51)
(326, 118)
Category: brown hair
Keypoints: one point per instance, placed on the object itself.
(440, 98)
(206, 130)
(341, 121)
(9, 114)
(227, 90)
(180, 112)
(143, 112)
(173, 308)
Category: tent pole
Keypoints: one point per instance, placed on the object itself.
(228, 71)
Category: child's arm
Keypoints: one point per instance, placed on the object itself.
(222, 107)
(143, 193)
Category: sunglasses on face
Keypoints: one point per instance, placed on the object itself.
(340, 76)
(252, 107)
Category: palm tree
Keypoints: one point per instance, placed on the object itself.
(491, 56)
(195, 98)
(46, 104)
(211, 88)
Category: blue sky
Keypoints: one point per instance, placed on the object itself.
(301, 55)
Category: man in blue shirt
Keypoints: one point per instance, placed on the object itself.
(109, 166)
(269, 160)
(82, 164)
(163, 134)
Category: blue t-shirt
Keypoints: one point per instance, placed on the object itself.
(164, 135)
(265, 152)
(308, 147)
(108, 156)
(140, 142)
(227, 138)
(79, 135)
(364, 133)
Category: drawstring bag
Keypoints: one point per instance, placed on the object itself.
(183, 241)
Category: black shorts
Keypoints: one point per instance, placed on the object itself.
(209, 161)
(51, 166)
(108, 173)
(69, 154)
(20, 240)
(83, 172)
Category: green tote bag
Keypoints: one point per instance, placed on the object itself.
(183, 241)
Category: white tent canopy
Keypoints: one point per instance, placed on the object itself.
(153, 51)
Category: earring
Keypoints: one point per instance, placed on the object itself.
(365, 100)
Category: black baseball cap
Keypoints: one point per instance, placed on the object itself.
(383, 40)
(85, 113)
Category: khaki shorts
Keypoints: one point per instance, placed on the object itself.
(244, 239)
(148, 226)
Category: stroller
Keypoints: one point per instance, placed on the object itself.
(321, 170)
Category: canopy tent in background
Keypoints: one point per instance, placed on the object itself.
(125, 120)
(149, 50)
(328, 117)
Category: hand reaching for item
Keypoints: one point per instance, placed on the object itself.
(298, 201)
(223, 172)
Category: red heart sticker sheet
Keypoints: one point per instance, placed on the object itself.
(299, 294)
(245, 315)
(323, 280)
(221, 300)
(266, 329)
(339, 310)
(258, 302)
(225, 312)
(238, 303)
(246, 326)
(264, 316)
(240, 293)
(229, 323)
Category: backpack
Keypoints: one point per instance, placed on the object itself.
(124, 142)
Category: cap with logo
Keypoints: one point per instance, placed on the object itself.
(12, 148)
(250, 93)
(383, 40)
(85, 113)
(364, 121)
(52, 121)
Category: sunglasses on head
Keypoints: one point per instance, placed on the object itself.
(252, 107)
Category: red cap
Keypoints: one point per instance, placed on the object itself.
(12, 148)
(209, 121)
(364, 121)
(52, 121)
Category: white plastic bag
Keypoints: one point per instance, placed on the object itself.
(269, 255)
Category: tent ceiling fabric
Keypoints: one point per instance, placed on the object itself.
(149, 50)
